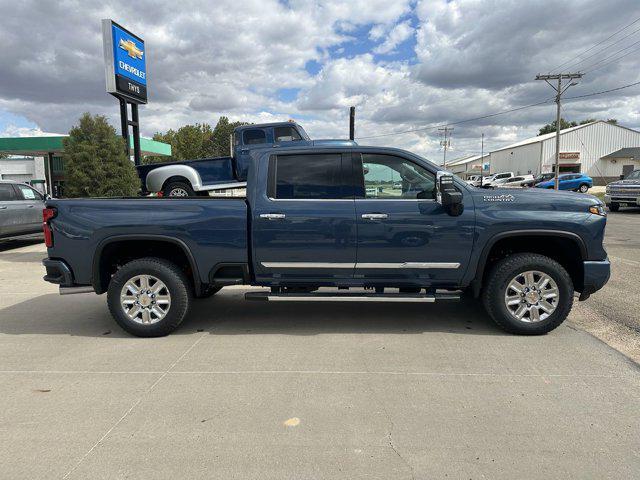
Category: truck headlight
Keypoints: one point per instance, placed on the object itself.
(598, 210)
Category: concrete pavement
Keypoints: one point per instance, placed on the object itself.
(254, 390)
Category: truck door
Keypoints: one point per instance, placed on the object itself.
(404, 235)
(10, 211)
(31, 205)
(304, 226)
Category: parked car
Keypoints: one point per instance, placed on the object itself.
(199, 177)
(516, 182)
(543, 177)
(20, 209)
(578, 182)
(624, 192)
(315, 217)
(474, 180)
(496, 179)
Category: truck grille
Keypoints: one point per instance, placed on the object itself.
(625, 190)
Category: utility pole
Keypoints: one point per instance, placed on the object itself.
(559, 91)
(446, 143)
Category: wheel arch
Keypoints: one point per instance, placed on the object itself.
(134, 246)
(524, 240)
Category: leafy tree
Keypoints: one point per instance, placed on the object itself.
(196, 141)
(221, 135)
(551, 127)
(96, 164)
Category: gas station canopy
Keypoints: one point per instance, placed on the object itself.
(42, 146)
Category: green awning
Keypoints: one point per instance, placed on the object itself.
(40, 146)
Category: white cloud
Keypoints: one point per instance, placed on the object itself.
(398, 34)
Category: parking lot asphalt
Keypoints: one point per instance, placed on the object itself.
(305, 391)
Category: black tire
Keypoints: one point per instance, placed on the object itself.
(584, 188)
(504, 271)
(614, 207)
(209, 292)
(178, 189)
(176, 284)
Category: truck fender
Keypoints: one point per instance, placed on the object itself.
(157, 177)
(476, 282)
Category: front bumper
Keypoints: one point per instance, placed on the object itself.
(596, 275)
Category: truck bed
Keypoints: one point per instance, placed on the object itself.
(213, 229)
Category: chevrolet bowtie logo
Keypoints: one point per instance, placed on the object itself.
(131, 49)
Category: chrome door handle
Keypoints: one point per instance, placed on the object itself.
(3, 207)
(273, 216)
(29, 206)
(375, 216)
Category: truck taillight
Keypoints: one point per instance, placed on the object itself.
(47, 214)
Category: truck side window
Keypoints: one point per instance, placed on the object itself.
(309, 177)
(254, 136)
(286, 134)
(7, 192)
(389, 177)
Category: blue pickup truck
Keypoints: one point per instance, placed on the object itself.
(351, 223)
(198, 177)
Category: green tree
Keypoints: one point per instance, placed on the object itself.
(196, 141)
(222, 134)
(96, 164)
(551, 127)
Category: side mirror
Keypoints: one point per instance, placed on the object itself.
(448, 195)
(622, 177)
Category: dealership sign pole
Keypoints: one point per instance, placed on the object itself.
(126, 75)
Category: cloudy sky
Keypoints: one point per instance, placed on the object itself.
(404, 64)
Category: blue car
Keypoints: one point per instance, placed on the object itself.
(578, 182)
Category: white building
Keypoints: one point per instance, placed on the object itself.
(470, 165)
(22, 169)
(582, 149)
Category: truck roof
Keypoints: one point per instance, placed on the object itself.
(265, 125)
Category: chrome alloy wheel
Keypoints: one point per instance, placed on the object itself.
(531, 296)
(178, 192)
(145, 299)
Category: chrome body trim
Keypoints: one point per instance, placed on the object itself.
(425, 265)
(348, 298)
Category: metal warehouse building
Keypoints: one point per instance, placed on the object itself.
(587, 148)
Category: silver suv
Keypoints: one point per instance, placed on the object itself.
(624, 192)
(20, 209)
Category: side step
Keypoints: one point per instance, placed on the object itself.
(352, 297)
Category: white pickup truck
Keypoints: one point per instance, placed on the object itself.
(624, 192)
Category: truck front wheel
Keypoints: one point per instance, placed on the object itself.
(149, 297)
(614, 207)
(528, 294)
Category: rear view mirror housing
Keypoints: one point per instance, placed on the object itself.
(448, 195)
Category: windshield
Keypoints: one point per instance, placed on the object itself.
(635, 175)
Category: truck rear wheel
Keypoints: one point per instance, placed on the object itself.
(528, 294)
(149, 297)
(179, 189)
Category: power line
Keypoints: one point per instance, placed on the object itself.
(503, 112)
(590, 69)
(594, 46)
(574, 65)
(440, 125)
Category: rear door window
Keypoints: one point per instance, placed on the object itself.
(254, 136)
(6, 192)
(28, 193)
(318, 176)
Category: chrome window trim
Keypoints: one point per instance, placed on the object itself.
(310, 199)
